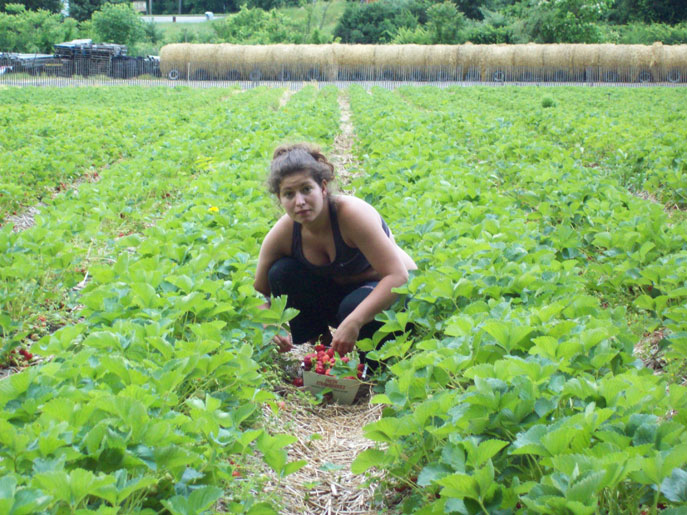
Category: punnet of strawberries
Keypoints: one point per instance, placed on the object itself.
(326, 362)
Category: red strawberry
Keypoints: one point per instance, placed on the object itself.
(236, 473)
(319, 369)
(330, 353)
(345, 359)
(320, 348)
(328, 372)
(361, 367)
(360, 375)
(298, 381)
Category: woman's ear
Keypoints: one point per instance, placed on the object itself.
(324, 187)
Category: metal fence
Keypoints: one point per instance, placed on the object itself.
(55, 71)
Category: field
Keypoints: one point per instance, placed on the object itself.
(538, 364)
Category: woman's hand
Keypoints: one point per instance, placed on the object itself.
(283, 343)
(345, 337)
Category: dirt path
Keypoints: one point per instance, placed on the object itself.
(342, 157)
(329, 436)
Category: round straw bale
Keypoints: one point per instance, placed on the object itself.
(675, 62)
(559, 56)
(387, 56)
(442, 55)
(584, 55)
(499, 56)
(174, 57)
(675, 56)
(613, 56)
(639, 56)
(530, 55)
(657, 56)
(230, 61)
(469, 55)
(354, 55)
(414, 56)
(261, 57)
(203, 61)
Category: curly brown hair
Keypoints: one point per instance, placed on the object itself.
(295, 158)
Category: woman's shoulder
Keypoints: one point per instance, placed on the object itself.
(350, 205)
(281, 233)
(352, 211)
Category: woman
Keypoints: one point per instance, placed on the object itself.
(332, 256)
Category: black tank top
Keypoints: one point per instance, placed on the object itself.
(348, 260)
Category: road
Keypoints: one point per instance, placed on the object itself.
(186, 18)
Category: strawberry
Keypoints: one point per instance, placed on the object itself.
(345, 359)
(361, 367)
(328, 372)
(298, 381)
(236, 473)
(330, 352)
(320, 348)
(319, 369)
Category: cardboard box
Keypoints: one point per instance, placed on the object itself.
(343, 390)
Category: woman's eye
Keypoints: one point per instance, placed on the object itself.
(307, 189)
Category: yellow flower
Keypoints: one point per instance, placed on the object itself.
(213, 209)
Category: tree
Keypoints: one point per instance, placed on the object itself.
(445, 22)
(53, 6)
(647, 11)
(32, 31)
(118, 23)
(82, 10)
(566, 21)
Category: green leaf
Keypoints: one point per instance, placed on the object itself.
(368, 459)
(459, 485)
(675, 486)
(432, 473)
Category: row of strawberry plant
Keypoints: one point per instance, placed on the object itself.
(633, 251)
(518, 389)
(600, 129)
(78, 227)
(47, 145)
(152, 402)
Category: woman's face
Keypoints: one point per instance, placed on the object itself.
(301, 197)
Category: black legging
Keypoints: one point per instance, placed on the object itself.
(320, 301)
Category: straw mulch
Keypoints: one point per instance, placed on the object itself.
(27, 219)
(342, 158)
(329, 437)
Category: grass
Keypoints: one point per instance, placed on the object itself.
(324, 16)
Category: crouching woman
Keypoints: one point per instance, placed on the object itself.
(333, 256)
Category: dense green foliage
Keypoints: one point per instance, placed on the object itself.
(517, 388)
(151, 400)
(541, 265)
(54, 6)
(118, 23)
(23, 30)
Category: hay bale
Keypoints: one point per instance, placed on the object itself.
(657, 56)
(175, 57)
(675, 62)
(584, 56)
(230, 61)
(202, 61)
(469, 58)
(613, 56)
(530, 55)
(261, 58)
(354, 61)
(442, 61)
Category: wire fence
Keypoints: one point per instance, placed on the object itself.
(50, 71)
